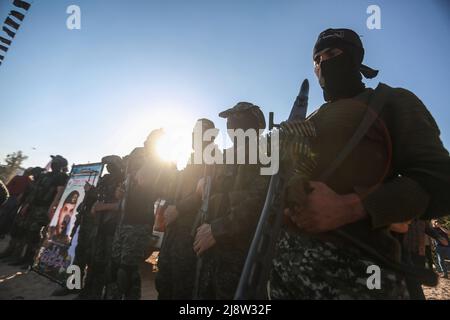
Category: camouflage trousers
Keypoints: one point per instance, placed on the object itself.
(308, 268)
(132, 244)
(176, 266)
(221, 272)
(100, 269)
(84, 245)
(37, 218)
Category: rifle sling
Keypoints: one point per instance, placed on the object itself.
(378, 100)
(376, 104)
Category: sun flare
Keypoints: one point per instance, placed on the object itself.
(175, 145)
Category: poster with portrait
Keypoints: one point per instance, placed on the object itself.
(57, 250)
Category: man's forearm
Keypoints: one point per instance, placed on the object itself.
(398, 200)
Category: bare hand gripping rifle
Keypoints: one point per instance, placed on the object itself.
(199, 220)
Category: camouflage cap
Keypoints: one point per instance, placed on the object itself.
(244, 107)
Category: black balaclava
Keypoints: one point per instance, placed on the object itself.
(113, 169)
(114, 165)
(59, 163)
(341, 75)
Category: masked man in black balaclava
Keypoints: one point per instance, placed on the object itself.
(398, 171)
(338, 56)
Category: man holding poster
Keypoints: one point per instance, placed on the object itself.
(58, 248)
(46, 195)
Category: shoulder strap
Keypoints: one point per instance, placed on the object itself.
(376, 104)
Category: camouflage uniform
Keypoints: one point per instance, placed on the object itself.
(233, 218)
(131, 246)
(84, 244)
(18, 229)
(177, 259)
(327, 267)
(235, 204)
(37, 214)
(311, 269)
(85, 223)
(132, 242)
(102, 228)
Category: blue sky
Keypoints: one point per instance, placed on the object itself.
(135, 64)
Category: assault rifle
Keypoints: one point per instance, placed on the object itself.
(258, 263)
(199, 220)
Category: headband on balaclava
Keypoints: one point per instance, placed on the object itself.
(341, 76)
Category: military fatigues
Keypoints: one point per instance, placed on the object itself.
(327, 267)
(177, 259)
(236, 201)
(37, 213)
(234, 210)
(132, 242)
(101, 230)
(85, 224)
(311, 269)
(18, 230)
(95, 236)
(84, 243)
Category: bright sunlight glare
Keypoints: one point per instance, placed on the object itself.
(175, 145)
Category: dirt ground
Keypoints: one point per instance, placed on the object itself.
(440, 292)
(17, 284)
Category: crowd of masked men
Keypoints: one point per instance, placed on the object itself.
(374, 209)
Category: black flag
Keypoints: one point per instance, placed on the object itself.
(17, 15)
(3, 48)
(1, 58)
(9, 32)
(5, 41)
(12, 23)
(22, 4)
